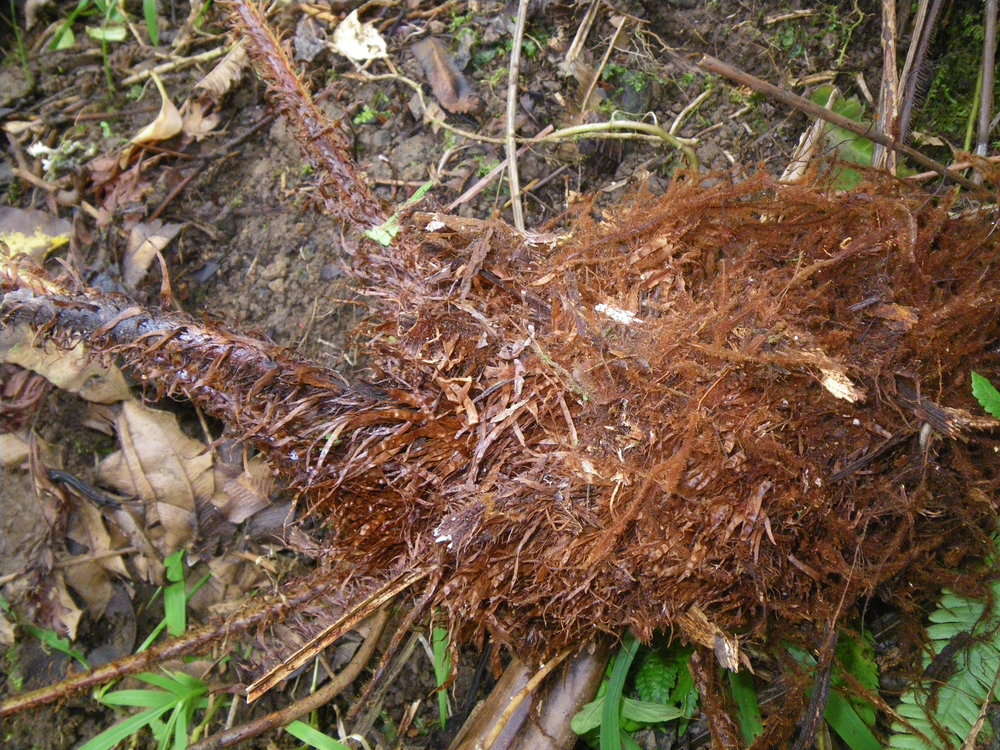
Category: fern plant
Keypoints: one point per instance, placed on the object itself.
(943, 710)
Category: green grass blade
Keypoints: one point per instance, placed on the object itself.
(110, 737)
(139, 698)
(440, 645)
(611, 733)
(846, 722)
(175, 595)
(313, 737)
(152, 22)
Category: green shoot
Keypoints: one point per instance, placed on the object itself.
(440, 645)
(611, 733)
(152, 23)
(986, 394)
(175, 595)
(49, 638)
(177, 697)
(171, 604)
(313, 737)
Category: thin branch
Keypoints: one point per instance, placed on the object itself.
(718, 67)
(989, 61)
(515, 67)
(193, 642)
(887, 118)
(310, 703)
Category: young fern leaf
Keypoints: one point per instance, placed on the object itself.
(941, 710)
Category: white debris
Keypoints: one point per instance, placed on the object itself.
(618, 315)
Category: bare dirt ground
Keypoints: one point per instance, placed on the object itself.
(251, 248)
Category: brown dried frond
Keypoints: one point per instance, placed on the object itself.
(326, 146)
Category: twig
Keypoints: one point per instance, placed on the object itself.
(718, 67)
(920, 39)
(515, 66)
(192, 642)
(989, 60)
(486, 179)
(887, 117)
(619, 23)
(685, 113)
(178, 64)
(321, 697)
(333, 632)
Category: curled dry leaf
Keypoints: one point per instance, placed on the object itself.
(198, 121)
(358, 41)
(165, 468)
(168, 122)
(225, 73)
(450, 87)
(146, 239)
(90, 580)
(32, 232)
(72, 370)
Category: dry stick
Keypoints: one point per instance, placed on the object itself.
(518, 699)
(989, 59)
(310, 703)
(515, 65)
(194, 641)
(888, 99)
(484, 181)
(923, 30)
(718, 67)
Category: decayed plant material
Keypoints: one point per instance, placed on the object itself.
(734, 410)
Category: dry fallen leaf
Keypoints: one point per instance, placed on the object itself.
(146, 239)
(165, 468)
(196, 123)
(240, 495)
(450, 87)
(72, 370)
(225, 73)
(168, 122)
(32, 232)
(358, 41)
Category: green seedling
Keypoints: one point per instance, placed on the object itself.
(441, 647)
(169, 711)
(111, 25)
(48, 638)
(312, 737)
(850, 716)
(662, 690)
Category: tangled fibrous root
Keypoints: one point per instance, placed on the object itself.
(735, 408)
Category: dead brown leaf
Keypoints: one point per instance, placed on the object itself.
(241, 494)
(225, 73)
(72, 370)
(165, 468)
(450, 87)
(146, 239)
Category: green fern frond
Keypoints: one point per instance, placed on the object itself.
(942, 710)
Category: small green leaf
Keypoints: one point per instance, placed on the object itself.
(313, 737)
(51, 639)
(152, 23)
(110, 737)
(138, 698)
(986, 394)
(175, 595)
(442, 670)
(747, 706)
(107, 33)
(656, 678)
(588, 717)
(849, 724)
(64, 38)
(649, 713)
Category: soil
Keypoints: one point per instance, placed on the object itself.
(256, 253)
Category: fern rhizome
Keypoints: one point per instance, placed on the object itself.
(733, 411)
